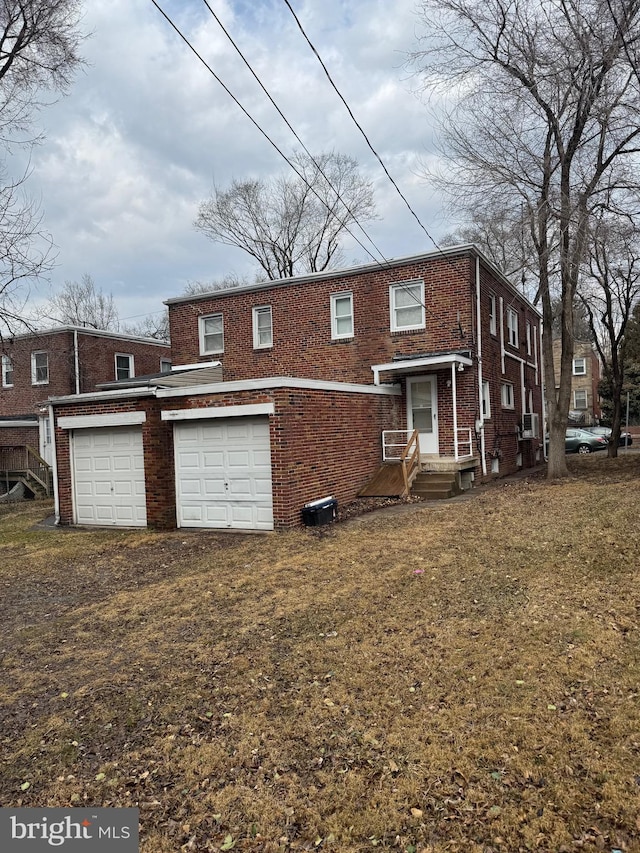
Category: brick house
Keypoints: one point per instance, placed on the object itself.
(323, 375)
(62, 361)
(585, 380)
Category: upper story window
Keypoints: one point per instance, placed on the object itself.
(211, 334)
(7, 372)
(406, 303)
(508, 400)
(486, 400)
(493, 314)
(262, 327)
(529, 338)
(341, 315)
(39, 368)
(165, 365)
(579, 366)
(124, 366)
(512, 327)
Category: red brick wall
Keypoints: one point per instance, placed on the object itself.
(302, 344)
(321, 443)
(19, 436)
(97, 365)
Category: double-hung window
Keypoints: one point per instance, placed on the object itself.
(512, 327)
(211, 334)
(529, 338)
(579, 367)
(341, 316)
(486, 400)
(262, 327)
(406, 303)
(39, 368)
(493, 314)
(124, 366)
(7, 372)
(580, 398)
(165, 365)
(508, 400)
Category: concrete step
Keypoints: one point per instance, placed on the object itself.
(435, 485)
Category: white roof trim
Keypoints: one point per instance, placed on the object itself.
(17, 423)
(106, 420)
(411, 365)
(218, 412)
(273, 382)
(91, 396)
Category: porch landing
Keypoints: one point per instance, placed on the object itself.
(430, 462)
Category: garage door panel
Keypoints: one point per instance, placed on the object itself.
(233, 468)
(109, 486)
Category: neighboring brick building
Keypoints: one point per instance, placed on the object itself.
(62, 361)
(315, 369)
(585, 380)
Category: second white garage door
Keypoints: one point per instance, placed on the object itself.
(108, 472)
(223, 473)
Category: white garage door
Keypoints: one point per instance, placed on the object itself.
(108, 466)
(223, 473)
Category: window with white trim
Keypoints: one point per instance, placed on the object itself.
(486, 400)
(508, 400)
(262, 327)
(165, 365)
(529, 337)
(580, 398)
(39, 368)
(579, 366)
(512, 327)
(211, 334)
(493, 314)
(124, 366)
(341, 315)
(406, 303)
(7, 372)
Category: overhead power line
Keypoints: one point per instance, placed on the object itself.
(386, 263)
(358, 125)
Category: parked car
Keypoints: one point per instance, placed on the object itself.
(625, 437)
(583, 441)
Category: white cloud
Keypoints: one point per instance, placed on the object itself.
(146, 131)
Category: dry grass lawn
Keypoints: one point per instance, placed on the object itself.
(459, 677)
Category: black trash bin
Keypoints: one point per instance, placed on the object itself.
(320, 512)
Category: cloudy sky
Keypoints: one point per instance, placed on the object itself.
(145, 132)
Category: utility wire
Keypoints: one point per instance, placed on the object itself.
(359, 126)
(292, 129)
(259, 128)
(302, 177)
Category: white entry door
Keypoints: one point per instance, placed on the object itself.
(108, 477)
(422, 411)
(223, 473)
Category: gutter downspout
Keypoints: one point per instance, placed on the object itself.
(76, 361)
(454, 396)
(479, 350)
(54, 467)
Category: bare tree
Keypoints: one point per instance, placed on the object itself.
(155, 325)
(39, 43)
(608, 291)
(291, 225)
(546, 117)
(81, 303)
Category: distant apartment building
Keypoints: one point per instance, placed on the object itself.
(585, 379)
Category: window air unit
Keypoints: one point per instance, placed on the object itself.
(530, 425)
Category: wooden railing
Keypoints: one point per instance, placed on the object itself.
(23, 461)
(410, 461)
(403, 446)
